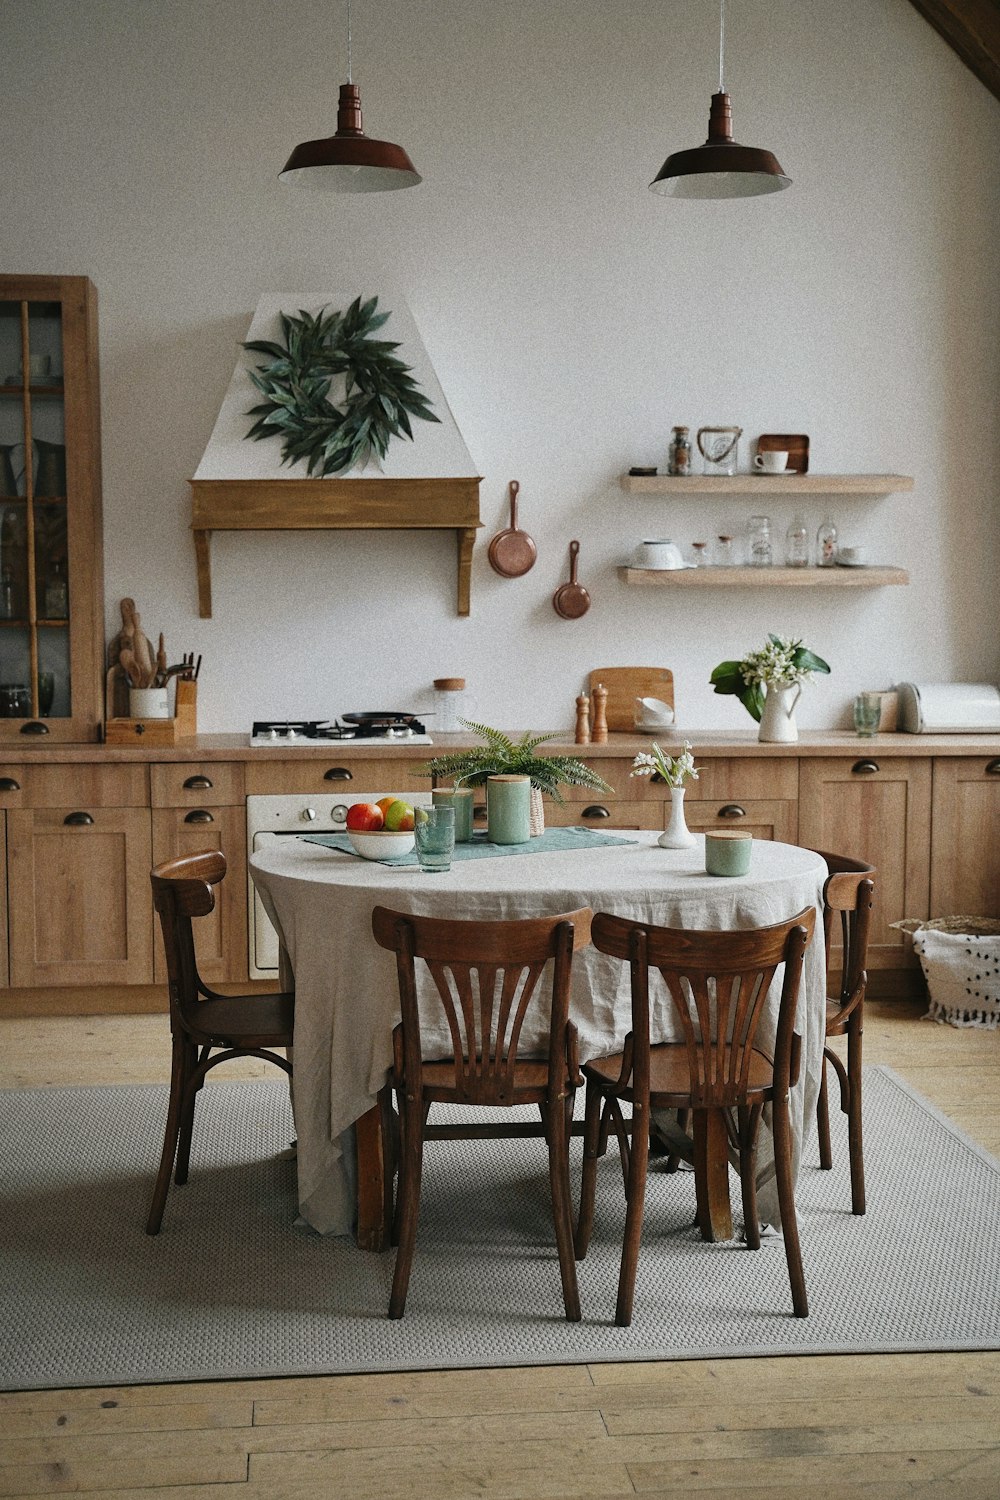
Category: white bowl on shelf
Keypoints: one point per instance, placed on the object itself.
(381, 843)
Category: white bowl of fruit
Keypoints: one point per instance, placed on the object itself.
(381, 830)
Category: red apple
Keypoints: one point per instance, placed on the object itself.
(365, 817)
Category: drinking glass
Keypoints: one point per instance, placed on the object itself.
(434, 832)
(46, 692)
(867, 712)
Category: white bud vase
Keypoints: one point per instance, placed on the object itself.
(777, 721)
(677, 835)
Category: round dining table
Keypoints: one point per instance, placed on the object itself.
(321, 899)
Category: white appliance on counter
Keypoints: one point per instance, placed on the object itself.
(948, 707)
(288, 816)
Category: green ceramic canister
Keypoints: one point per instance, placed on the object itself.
(727, 852)
(461, 799)
(508, 809)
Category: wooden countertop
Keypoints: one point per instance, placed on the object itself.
(708, 744)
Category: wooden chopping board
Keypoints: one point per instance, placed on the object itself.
(624, 685)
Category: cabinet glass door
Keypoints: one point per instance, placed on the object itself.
(50, 594)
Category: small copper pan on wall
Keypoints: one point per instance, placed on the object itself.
(512, 552)
(571, 600)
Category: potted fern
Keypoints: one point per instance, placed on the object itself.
(499, 755)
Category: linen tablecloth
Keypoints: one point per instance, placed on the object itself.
(347, 1002)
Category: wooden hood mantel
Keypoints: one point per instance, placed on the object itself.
(335, 505)
(972, 30)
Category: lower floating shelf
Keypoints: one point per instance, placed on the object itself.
(723, 578)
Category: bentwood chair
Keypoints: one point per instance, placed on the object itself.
(847, 905)
(485, 979)
(206, 1028)
(717, 983)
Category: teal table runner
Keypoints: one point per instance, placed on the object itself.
(551, 841)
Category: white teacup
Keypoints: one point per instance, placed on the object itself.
(771, 463)
(658, 554)
(652, 713)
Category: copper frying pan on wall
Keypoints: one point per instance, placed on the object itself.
(512, 552)
(571, 600)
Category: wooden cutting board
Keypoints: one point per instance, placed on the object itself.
(624, 685)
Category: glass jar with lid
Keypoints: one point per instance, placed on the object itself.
(679, 455)
(797, 544)
(759, 550)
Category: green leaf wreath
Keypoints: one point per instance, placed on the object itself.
(380, 394)
(500, 755)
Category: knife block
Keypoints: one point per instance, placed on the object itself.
(183, 725)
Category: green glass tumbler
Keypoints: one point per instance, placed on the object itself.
(434, 835)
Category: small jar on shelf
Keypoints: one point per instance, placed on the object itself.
(56, 593)
(826, 545)
(759, 551)
(679, 454)
(797, 544)
(724, 552)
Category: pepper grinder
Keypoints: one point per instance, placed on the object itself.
(599, 728)
(583, 720)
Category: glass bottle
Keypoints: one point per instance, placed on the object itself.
(826, 545)
(797, 544)
(56, 593)
(6, 594)
(679, 455)
(759, 550)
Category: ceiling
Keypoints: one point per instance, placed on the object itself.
(972, 29)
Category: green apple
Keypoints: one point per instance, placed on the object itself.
(399, 816)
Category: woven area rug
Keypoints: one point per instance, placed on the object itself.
(230, 1289)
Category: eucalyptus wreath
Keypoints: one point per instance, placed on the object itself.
(380, 395)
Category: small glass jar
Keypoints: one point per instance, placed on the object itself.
(724, 553)
(679, 455)
(699, 554)
(826, 545)
(797, 544)
(759, 551)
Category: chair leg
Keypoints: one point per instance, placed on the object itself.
(588, 1183)
(557, 1134)
(786, 1203)
(187, 1115)
(178, 1075)
(408, 1206)
(854, 1035)
(749, 1121)
(638, 1162)
(823, 1122)
(673, 1162)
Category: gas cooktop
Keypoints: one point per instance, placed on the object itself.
(301, 733)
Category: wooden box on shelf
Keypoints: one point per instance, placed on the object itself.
(183, 725)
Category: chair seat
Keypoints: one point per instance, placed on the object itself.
(670, 1079)
(837, 1018)
(531, 1083)
(244, 1020)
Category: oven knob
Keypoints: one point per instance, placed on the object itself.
(308, 815)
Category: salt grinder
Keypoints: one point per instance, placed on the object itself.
(583, 720)
(599, 728)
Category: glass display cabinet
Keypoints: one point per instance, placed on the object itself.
(51, 563)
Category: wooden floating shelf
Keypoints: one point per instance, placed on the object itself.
(334, 505)
(766, 484)
(738, 578)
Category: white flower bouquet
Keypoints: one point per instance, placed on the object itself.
(675, 769)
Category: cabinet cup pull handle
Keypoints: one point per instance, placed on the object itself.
(199, 815)
(78, 819)
(8, 784)
(338, 773)
(34, 726)
(864, 767)
(993, 768)
(596, 810)
(732, 810)
(197, 784)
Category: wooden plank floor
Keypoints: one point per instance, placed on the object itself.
(883, 1426)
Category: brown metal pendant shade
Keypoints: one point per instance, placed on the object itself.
(349, 161)
(721, 168)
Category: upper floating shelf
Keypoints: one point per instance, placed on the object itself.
(766, 484)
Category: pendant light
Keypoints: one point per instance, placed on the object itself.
(720, 168)
(349, 162)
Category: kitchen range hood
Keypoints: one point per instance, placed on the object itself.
(427, 484)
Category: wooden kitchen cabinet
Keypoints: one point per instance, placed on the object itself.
(78, 896)
(339, 772)
(51, 553)
(879, 811)
(965, 838)
(221, 938)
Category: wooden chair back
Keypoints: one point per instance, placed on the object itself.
(718, 983)
(486, 976)
(183, 888)
(848, 897)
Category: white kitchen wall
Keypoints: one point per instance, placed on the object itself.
(572, 317)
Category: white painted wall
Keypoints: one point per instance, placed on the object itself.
(571, 315)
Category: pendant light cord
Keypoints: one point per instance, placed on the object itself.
(722, 43)
(349, 78)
